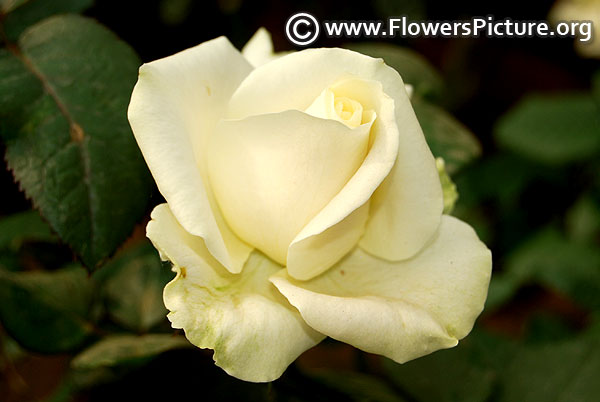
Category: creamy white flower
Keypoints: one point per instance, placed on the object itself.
(302, 202)
(580, 10)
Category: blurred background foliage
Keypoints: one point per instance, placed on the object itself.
(81, 315)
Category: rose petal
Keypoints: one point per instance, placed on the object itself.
(259, 49)
(406, 209)
(339, 225)
(405, 309)
(295, 80)
(273, 173)
(313, 251)
(253, 330)
(175, 104)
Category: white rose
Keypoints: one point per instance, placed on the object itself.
(302, 202)
(580, 10)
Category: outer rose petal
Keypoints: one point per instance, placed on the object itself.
(175, 104)
(259, 49)
(253, 330)
(402, 310)
(406, 208)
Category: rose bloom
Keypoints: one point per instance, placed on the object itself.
(580, 10)
(302, 202)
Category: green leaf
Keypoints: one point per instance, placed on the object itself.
(10, 352)
(18, 15)
(553, 261)
(414, 68)
(446, 136)
(357, 386)
(119, 349)
(555, 371)
(596, 87)
(9, 261)
(6, 6)
(466, 373)
(15, 231)
(557, 129)
(502, 178)
(583, 220)
(46, 311)
(133, 288)
(545, 327)
(72, 150)
(25, 226)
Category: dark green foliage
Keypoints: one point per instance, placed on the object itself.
(68, 141)
(414, 68)
(132, 288)
(18, 15)
(446, 136)
(554, 130)
(47, 311)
